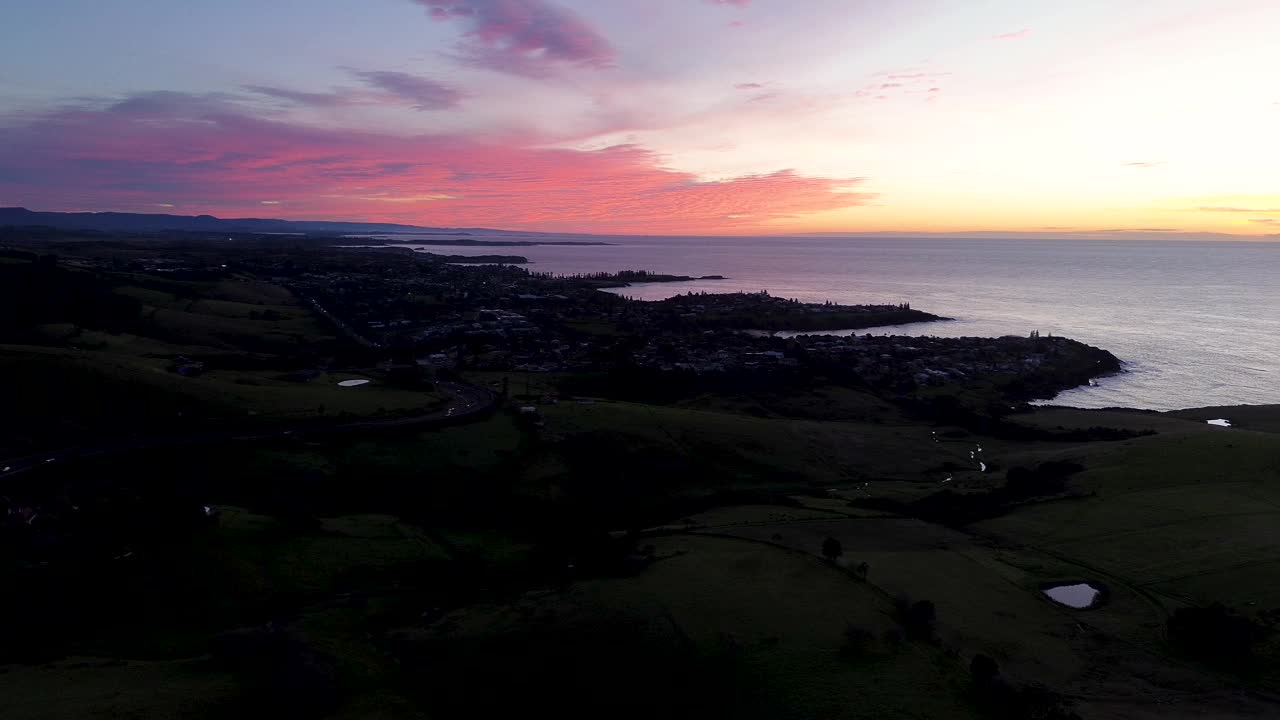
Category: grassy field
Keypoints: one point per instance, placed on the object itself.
(141, 649)
(232, 315)
(1190, 515)
(92, 384)
(167, 602)
(70, 397)
(987, 598)
(97, 688)
(1185, 516)
(404, 567)
(1067, 419)
(758, 451)
(1263, 418)
(763, 627)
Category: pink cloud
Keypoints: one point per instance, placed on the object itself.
(749, 86)
(1014, 35)
(523, 37)
(735, 3)
(206, 154)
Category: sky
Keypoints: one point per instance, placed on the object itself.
(713, 117)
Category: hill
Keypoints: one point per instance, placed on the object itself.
(139, 222)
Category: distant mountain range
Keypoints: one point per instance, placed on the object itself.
(135, 222)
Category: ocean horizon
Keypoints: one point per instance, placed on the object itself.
(1188, 336)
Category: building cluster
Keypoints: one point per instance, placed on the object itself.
(505, 318)
(501, 317)
(931, 360)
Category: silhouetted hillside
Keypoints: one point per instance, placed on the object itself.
(137, 222)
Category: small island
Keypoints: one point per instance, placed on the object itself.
(465, 242)
(476, 259)
(624, 278)
(455, 259)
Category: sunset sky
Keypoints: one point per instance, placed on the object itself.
(652, 116)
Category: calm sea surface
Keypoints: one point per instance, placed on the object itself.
(1196, 324)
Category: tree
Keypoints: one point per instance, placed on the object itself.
(984, 671)
(1216, 632)
(920, 618)
(832, 549)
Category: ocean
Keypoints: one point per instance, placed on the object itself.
(1195, 323)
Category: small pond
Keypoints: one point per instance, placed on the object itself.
(1080, 596)
(1220, 422)
(353, 383)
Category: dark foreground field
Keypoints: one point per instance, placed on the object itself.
(827, 534)
(635, 559)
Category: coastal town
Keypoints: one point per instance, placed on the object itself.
(501, 318)
(423, 314)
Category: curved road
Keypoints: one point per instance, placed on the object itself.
(470, 402)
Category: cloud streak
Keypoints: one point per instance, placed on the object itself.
(421, 93)
(306, 99)
(1014, 35)
(1232, 209)
(210, 154)
(909, 81)
(384, 87)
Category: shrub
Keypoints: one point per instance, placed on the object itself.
(831, 549)
(1215, 632)
(984, 671)
(893, 638)
(920, 618)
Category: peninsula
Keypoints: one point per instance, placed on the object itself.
(464, 242)
(762, 311)
(625, 278)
